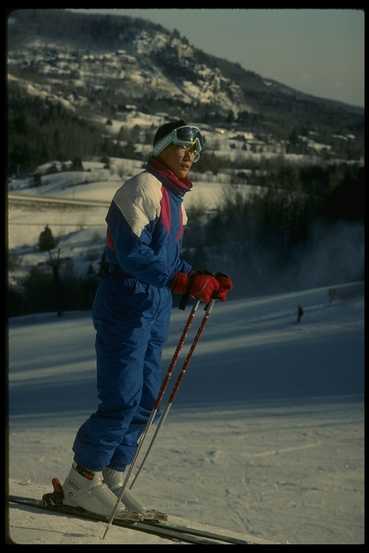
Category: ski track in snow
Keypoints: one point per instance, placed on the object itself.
(289, 468)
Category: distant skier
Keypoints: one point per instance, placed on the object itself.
(131, 313)
(300, 313)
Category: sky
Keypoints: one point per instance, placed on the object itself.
(320, 52)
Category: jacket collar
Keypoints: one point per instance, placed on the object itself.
(168, 177)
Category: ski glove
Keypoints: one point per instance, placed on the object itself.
(225, 283)
(203, 286)
(180, 283)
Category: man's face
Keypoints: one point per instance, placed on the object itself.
(179, 159)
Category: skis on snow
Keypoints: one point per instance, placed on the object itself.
(151, 522)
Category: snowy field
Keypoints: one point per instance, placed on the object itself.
(26, 221)
(266, 437)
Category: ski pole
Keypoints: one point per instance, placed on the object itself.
(176, 386)
(155, 408)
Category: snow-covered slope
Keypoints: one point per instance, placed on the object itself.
(266, 436)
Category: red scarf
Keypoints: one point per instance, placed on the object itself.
(168, 177)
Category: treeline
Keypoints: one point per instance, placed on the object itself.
(41, 292)
(41, 131)
(264, 241)
(320, 180)
(88, 31)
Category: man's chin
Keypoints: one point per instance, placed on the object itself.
(182, 173)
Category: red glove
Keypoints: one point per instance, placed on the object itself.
(225, 283)
(180, 283)
(203, 287)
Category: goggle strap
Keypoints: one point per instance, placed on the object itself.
(163, 143)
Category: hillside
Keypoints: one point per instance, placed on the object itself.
(101, 64)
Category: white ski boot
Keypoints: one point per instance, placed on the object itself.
(114, 480)
(86, 489)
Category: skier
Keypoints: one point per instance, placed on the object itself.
(131, 313)
(300, 313)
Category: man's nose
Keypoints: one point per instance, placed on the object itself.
(189, 153)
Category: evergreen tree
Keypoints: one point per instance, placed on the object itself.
(46, 241)
(77, 164)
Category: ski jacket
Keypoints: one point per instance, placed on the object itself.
(145, 226)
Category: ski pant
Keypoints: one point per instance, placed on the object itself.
(131, 319)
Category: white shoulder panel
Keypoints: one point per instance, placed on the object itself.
(138, 199)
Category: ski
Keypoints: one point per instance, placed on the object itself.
(203, 533)
(135, 521)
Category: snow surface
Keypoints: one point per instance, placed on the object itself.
(266, 436)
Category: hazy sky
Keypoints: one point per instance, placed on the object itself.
(320, 52)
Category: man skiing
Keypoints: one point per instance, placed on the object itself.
(131, 313)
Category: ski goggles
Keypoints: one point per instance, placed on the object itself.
(186, 136)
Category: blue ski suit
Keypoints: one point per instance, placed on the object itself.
(131, 313)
